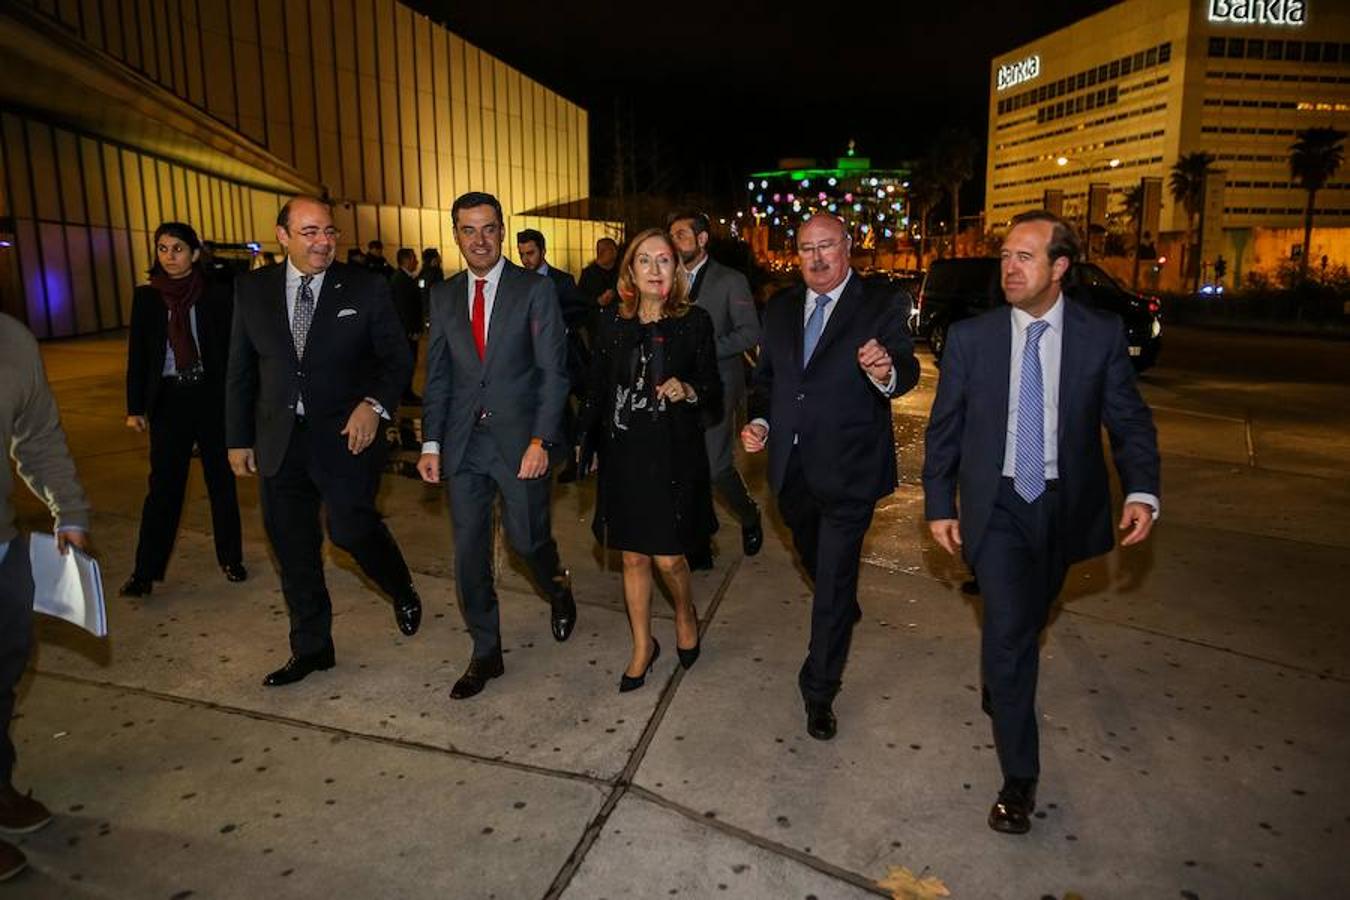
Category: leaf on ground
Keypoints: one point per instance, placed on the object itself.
(905, 885)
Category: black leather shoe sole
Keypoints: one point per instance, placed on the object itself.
(298, 668)
(476, 677)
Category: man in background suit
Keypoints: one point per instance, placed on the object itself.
(407, 296)
(495, 390)
(318, 358)
(1016, 428)
(725, 294)
(576, 313)
(834, 354)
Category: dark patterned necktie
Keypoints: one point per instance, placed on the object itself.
(304, 314)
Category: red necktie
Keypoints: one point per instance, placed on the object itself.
(479, 325)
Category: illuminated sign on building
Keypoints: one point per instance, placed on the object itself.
(1258, 12)
(1023, 71)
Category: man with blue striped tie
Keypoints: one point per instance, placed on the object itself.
(1016, 427)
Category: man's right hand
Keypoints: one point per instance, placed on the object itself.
(947, 532)
(429, 467)
(242, 461)
(137, 424)
(754, 437)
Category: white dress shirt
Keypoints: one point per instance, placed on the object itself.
(493, 277)
(1051, 352)
(698, 267)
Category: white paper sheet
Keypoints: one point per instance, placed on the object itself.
(69, 587)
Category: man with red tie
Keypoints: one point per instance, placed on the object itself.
(492, 423)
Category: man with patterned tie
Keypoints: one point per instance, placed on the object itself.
(833, 355)
(318, 358)
(1016, 429)
(492, 422)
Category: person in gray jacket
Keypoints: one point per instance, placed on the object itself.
(492, 423)
(30, 427)
(725, 294)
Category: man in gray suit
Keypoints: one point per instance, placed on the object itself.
(725, 294)
(492, 418)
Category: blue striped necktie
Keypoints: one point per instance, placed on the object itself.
(1029, 467)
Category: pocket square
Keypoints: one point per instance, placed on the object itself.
(346, 312)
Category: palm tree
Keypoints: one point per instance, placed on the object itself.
(1313, 160)
(1187, 186)
(1134, 205)
(925, 190)
(955, 161)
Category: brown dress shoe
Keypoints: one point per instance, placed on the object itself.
(12, 861)
(20, 813)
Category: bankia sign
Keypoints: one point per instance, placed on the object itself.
(1019, 72)
(1258, 12)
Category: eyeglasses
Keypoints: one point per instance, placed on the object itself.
(314, 231)
(823, 248)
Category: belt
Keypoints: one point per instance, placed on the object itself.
(1051, 484)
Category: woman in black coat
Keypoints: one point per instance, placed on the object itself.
(653, 383)
(176, 358)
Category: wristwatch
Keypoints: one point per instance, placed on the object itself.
(547, 445)
(378, 407)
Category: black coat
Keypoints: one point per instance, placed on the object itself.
(691, 356)
(408, 302)
(149, 337)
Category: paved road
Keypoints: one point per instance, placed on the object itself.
(1195, 695)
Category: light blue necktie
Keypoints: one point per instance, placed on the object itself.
(1029, 467)
(814, 326)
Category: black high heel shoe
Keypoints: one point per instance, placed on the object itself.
(690, 656)
(633, 682)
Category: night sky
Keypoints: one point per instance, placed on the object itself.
(715, 90)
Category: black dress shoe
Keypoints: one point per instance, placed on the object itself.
(633, 682)
(986, 701)
(563, 618)
(820, 721)
(752, 537)
(1011, 813)
(297, 667)
(136, 586)
(408, 612)
(234, 572)
(481, 670)
(700, 560)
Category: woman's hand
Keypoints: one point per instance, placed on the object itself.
(675, 390)
(137, 424)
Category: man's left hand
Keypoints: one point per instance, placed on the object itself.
(67, 539)
(362, 426)
(534, 464)
(875, 361)
(1138, 517)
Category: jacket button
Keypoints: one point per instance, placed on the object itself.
(801, 397)
(482, 384)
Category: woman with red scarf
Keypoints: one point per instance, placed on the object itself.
(176, 358)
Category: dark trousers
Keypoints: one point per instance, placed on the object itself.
(290, 502)
(730, 485)
(16, 640)
(828, 538)
(1020, 570)
(183, 416)
(481, 475)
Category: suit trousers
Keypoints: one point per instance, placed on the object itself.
(290, 503)
(828, 538)
(183, 416)
(729, 483)
(482, 474)
(1020, 569)
(16, 640)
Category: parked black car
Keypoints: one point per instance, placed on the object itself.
(956, 289)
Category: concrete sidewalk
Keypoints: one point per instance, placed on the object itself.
(1195, 695)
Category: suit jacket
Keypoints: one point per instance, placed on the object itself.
(356, 348)
(408, 301)
(967, 431)
(149, 337)
(519, 387)
(725, 294)
(841, 420)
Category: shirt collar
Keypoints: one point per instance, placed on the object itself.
(1054, 317)
(543, 268)
(493, 275)
(293, 275)
(693, 273)
(833, 294)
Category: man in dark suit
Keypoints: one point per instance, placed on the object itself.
(576, 313)
(492, 417)
(318, 358)
(408, 301)
(725, 294)
(833, 355)
(1016, 428)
